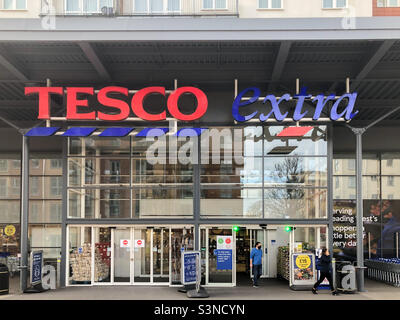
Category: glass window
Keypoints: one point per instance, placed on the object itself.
(73, 6)
(20, 4)
(97, 146)
(80, 255)
(174, 5)
(208, 4)
(314, 142)
(14, 4)
(16, 164)
(304, 171)
(34, 186)
(248, 174)
(387, 3)
(328, 4)
(295, 203)
(15, 186)
(140, 6)
(35, 163)
(56, 186)
(230, 202)
(56, 163)
(162, 202)
(98, 171)
(3, 187)
(220, 4)
(156, 5)
(3, 165)
(270, 4)
(214, 4)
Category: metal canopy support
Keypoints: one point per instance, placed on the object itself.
(359, 205)
(12, 68)
(280, 62)
(95, 60)
(374, 60)
(24, 212)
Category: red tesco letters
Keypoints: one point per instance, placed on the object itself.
(122, 107)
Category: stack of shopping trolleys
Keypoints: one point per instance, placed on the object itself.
(385, 270)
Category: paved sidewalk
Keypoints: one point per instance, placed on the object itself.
(270, 290)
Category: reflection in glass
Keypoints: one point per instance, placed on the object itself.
(295, 203)
(142, 254)
(215, 275)
(80, 255)
(303, 171)
(162, 202)
(122, 255)
(231, 203)
(312, 143)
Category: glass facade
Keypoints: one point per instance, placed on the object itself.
(381, 204)
(249, 172)
(265, 175)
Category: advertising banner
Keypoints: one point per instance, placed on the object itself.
(190, 267)
(36, 267)
(303, 269)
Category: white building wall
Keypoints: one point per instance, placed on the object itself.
(32, 10)
(304, 9)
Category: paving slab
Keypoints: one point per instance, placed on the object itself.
(271, 289)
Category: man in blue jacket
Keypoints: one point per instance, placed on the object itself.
(256, 263)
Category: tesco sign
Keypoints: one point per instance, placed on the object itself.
(123, 108)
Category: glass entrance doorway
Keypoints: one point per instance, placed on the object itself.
(127, 255)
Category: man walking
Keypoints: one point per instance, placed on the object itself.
(256, 263)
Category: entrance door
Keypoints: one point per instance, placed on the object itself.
(161, 257)
(246, 239)
(146, 255)
(122, 255)
(218, 243)
(142, 255)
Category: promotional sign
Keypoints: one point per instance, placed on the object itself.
(125, 243)
(224, 242)
(9, 230)
(139, 243)
(303, 269)
(36, 267)
(190, 271)
(224, 259)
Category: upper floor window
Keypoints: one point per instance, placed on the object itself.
(3, 165)
(214, 4)
(388, 3)
(14, 5)
(89, 6)
(334, 4)
(55, 163)
(156, 6)
(270, 4)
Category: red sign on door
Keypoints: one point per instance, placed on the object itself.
(139, 243)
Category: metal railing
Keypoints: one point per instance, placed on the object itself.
(143, 8)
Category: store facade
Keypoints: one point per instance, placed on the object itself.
(104, 214)
(139, 216)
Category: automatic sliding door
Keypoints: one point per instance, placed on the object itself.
(161, 255)
(142, 255)
(220, 239)
(122, 255)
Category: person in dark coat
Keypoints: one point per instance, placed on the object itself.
(325, 271)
